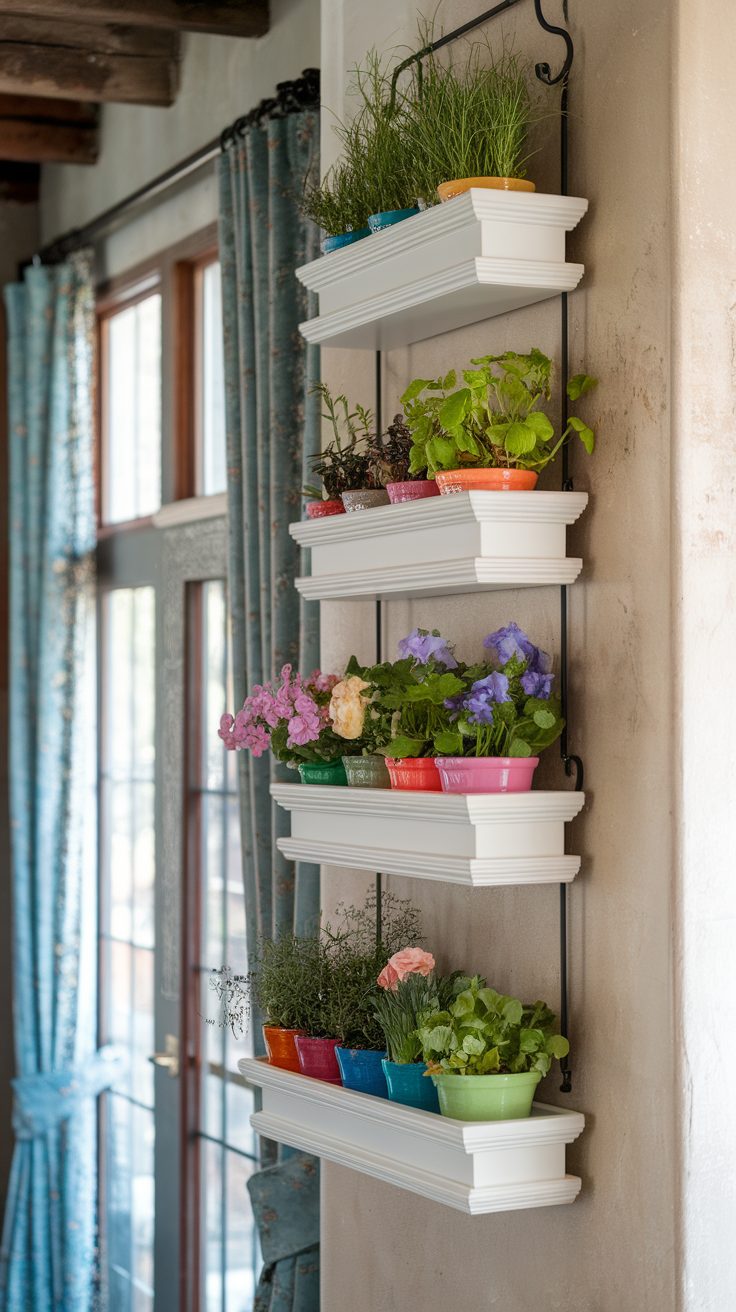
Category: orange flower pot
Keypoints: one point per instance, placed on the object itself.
(280, 1047)
(416, 773)
(485, 480)
(457, 186)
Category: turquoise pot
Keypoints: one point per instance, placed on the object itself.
(323, 772)
(408, 1084)
(387, 218)
(362, 1070)
(343, 239)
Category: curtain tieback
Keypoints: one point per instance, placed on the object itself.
(44, 1100)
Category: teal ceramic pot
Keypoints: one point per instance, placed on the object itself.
(387, 218)
(366, 771)
(323, 772)
(362, 1070)
(487, 1097)
(408, 1084)
(343, 239)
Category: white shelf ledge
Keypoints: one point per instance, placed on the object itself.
(474, 257)
(460, 543)
(479, 841)
(476, 1167)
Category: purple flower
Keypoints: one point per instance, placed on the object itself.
(455, 704)
(536, 684)
(423, 647)
(512, 643)
(495, 687)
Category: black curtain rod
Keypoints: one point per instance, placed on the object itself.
(302, 93)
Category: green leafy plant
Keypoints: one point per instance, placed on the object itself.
(345, 463)
(494, 420)
(483, 1032)
(338, 204)
(401, 1010)
(406, 698)
(391, 454)
(471, 120)
(287, 980)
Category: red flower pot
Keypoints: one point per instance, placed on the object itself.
(317, 1058)
(319, 509)
(416, 773)
(412, 491)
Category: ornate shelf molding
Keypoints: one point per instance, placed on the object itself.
(493, 1166)
(461, 543)
(486, 840)
(477, 256)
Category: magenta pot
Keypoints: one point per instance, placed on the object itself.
(415, 490)
(486, 774)
(317, 1058)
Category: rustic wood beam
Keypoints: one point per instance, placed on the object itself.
(36, 130)
(81, 61)
(221, 17)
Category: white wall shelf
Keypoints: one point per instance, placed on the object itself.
(483, 840)
(459, 543)
(474, 257)
(489, 1166)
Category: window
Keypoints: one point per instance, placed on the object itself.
(131, 413)
(176, 1148)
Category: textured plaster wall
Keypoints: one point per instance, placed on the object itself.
(614, 1249)
(221, 78)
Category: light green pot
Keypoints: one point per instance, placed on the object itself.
(486, 1097)
(366, 771)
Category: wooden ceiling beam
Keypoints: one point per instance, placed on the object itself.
(244, 18)
(80, 61)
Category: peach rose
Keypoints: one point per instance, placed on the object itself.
(409, 961)
(347, 707)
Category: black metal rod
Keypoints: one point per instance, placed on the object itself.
(379, 624)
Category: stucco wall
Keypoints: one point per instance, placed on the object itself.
(614, 1249)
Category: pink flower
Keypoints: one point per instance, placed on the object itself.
(409, 961)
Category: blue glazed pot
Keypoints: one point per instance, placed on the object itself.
(407, 1083)
(362, 1070)
(343, 239)
(387, 218)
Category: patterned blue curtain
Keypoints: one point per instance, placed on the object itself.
(48, 1258)
(272, 429)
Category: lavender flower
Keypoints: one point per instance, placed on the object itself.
(536, 684)
(512, 643)
(423, 646)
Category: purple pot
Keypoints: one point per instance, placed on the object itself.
(317, 1058)
(412, 491)
(486, 774)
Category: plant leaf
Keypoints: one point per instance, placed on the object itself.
(454, 409)
(415, 389)
(579, 385)
(520, 439)
(586, 435)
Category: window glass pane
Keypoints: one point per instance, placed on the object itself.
(211, 418)
(127, 856)
(132, 410)
(228, 1244)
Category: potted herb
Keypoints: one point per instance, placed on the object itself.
(490, 434)
(487, 1052)
(357, 949)
(505, 715)
(290, 717)
(285, 984)
(338, 207)
(391, 454)
(408, 992)
(405, 700)
(345, 465)
(468, 127)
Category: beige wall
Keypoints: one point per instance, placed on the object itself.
(614, 1249)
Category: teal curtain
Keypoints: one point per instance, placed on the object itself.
(272, 429)
(48, 1258)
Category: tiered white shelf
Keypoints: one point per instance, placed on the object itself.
(486, 840)
(474, 257)
(476, 1167)
(460, 543)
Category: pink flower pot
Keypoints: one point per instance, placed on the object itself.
(319, 509)
(486, 774)
(317, 1058)
(412, 491)
(416, 773)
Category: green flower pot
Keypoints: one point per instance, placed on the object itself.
(366, 771)
(486, 1097)
(323, 772)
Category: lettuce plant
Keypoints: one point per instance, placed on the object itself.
(483, 1032)
(494, 419)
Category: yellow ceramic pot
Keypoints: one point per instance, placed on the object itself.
(456, 187)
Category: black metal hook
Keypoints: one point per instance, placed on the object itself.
(543, 70)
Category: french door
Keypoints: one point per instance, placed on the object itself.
(176, 1148)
